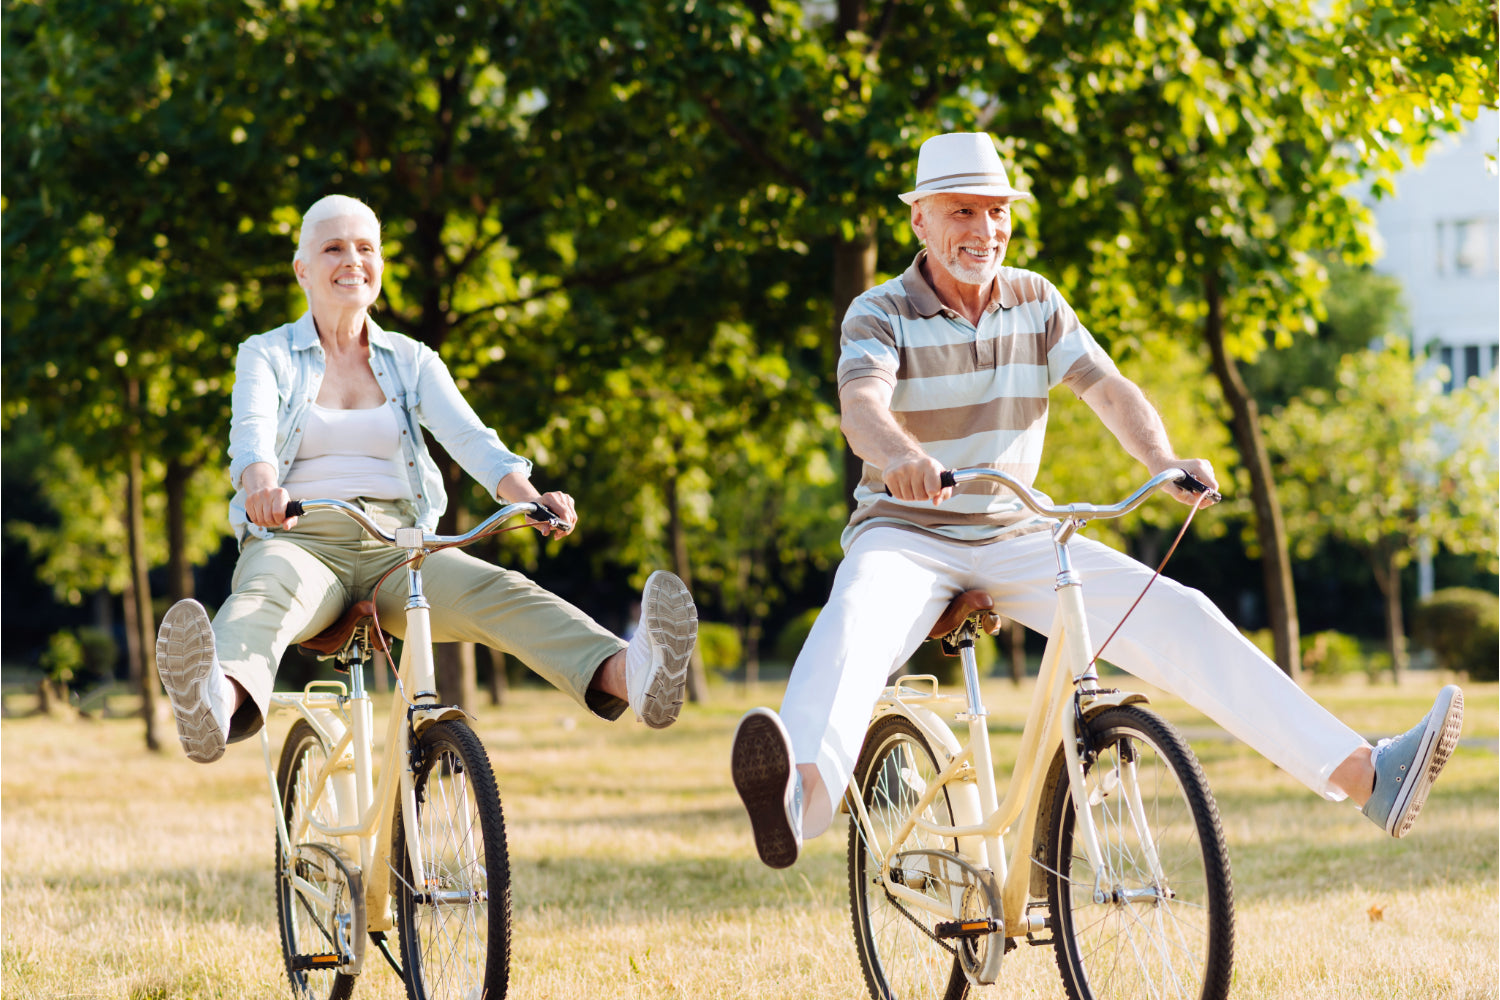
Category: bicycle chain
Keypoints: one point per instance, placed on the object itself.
(947, 883)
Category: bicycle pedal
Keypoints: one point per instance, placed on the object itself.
(304, 963)
(966, 928)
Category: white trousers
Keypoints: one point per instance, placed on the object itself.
(893, 584)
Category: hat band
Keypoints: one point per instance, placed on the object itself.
(964, 180)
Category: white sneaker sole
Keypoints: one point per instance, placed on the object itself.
(185, 659)
(1438, 741)
(670, 620)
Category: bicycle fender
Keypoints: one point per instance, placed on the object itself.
(963, 796)
(1111, 699)
(421, 718)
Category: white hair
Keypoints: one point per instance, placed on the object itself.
(333, 206)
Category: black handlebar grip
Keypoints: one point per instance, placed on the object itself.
(1192, 484)
(548, 511)
(294, 508)
(945, 480)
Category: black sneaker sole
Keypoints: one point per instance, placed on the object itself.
(761, 764)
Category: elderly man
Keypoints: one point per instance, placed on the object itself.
(948, 366)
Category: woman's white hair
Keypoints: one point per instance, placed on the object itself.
(333, 206)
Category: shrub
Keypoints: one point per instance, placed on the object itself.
(101, 653)
(793, 635)
(1462, 628)
(721, 647)
(63, 658)
(1332, 654)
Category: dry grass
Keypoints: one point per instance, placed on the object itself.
(137, 876)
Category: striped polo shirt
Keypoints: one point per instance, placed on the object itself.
(970, 397)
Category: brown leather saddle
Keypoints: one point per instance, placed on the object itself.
(354, 624)
(969, 604)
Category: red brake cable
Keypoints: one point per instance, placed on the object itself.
(1173, 548)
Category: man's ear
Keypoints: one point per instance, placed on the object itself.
(917, 221)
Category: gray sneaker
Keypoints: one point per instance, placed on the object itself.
(769, 785)
(1406, 766)
(669, 627)
(185, 660)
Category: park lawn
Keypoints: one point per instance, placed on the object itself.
(140, 876)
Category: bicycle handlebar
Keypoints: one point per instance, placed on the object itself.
(535, 511)
(1082, 511)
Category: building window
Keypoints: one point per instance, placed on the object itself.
(1473, 246)
(1445, 358)
(1471, 363)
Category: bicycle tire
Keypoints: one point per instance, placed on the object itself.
(459, 948)
(900, 960)
(1162, 938)
(306, 926)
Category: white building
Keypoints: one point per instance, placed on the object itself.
(1441, 239)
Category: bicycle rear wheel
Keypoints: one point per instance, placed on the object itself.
(901, 958)
(455, 928)
(1161, 923)
(319, 899)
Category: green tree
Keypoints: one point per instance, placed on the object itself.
(1386, 460)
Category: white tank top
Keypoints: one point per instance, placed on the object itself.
(349, 453)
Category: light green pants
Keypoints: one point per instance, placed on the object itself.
(291, 586)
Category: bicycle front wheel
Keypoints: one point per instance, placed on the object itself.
(901, 957)
(319, 900)
(454, 928)
(1157, 919)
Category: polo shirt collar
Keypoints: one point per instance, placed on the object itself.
(924, 298)
(305, 333)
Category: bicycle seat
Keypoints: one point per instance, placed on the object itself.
(335, 637)
(970, 602)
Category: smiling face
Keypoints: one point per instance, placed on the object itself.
(966, 234)
(341, 266)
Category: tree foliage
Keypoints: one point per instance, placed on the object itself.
(1386, 461)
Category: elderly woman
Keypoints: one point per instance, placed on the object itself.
(332, 406)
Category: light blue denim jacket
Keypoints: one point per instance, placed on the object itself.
(278, 375)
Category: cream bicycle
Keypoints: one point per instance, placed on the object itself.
(422, 853)
(1115, 845)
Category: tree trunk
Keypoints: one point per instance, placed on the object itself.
(1015, 634)
(132, 636)
(853, 274)
(753, 631)
(1275, 559)
(499, 679)
(697, 679)
(1388, 579)
(144, 622)
(179, 571)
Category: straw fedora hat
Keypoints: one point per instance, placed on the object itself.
(961, 163)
